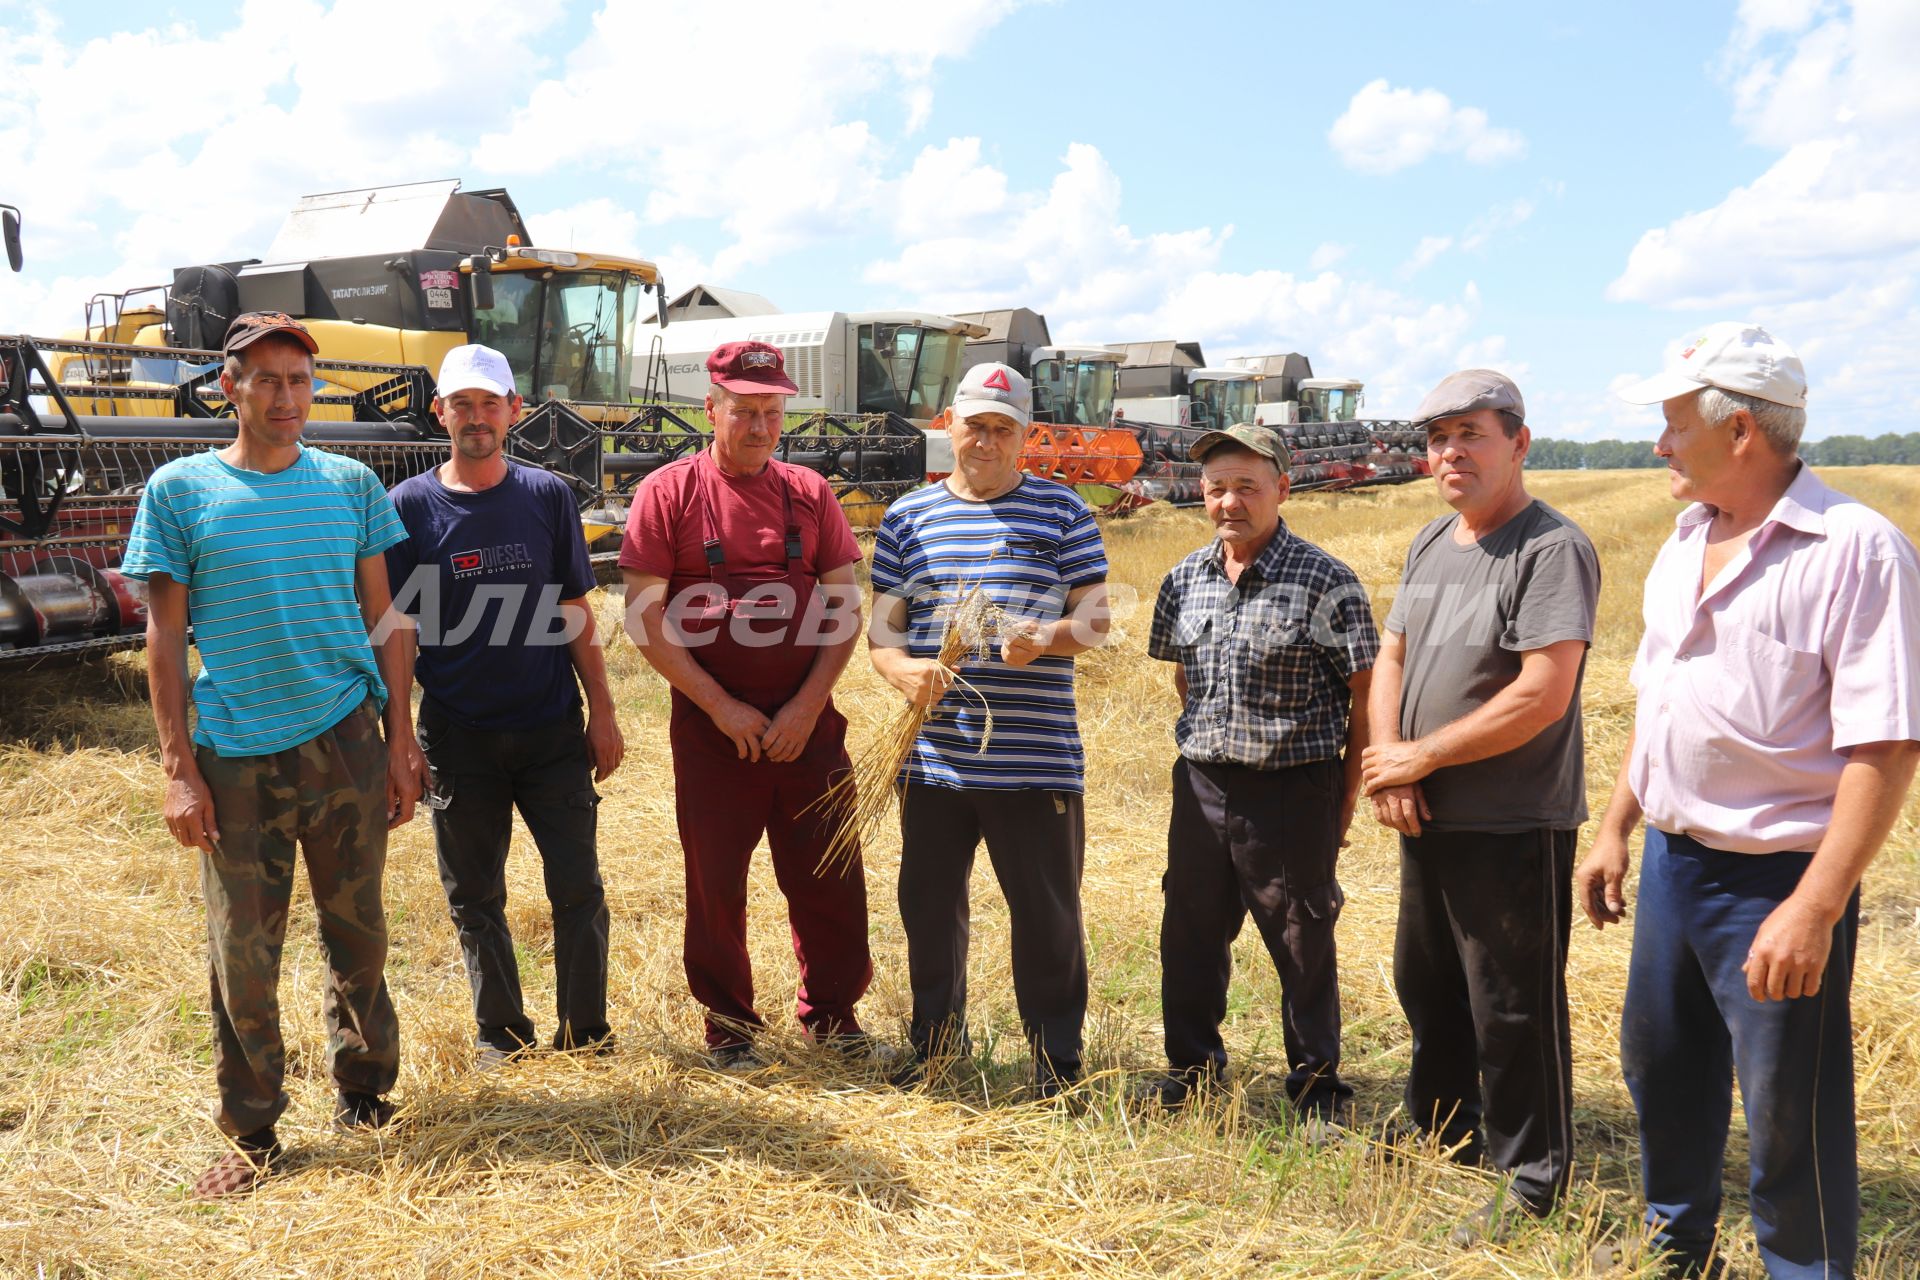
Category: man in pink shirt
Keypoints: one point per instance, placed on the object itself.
(1774, 739)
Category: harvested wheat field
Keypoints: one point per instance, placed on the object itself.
(646, 1163)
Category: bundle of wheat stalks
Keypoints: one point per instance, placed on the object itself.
(861, 799)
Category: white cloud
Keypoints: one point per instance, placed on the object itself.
(1429, 248)
(1823, 247)
(1502, 217)
(756, 127)
(1327, 255)
(599, 224)
(1386, 129)
(1068, 252)
(239, 116)
(948, 190)
(233, 125)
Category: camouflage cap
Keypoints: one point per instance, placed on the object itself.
(1262, 440)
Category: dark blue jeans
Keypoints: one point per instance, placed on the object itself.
(1689, 1025)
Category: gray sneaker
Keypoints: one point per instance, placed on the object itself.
(735, 1059)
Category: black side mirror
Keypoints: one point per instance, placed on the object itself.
(481, 267)
(659, 300)
(10, 226)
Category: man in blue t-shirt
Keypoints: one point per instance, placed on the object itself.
(494, 574)
(274, 550)
(999, 757)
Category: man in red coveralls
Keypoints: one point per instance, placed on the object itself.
(741, 594)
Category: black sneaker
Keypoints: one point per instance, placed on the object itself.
(599, 1044)
(1492, 1222)
(361, 1111)
(735, 1059)
(1051, 1082)
(1174, 1090)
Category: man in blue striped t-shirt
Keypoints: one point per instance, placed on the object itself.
(999, 757)
(275, 551)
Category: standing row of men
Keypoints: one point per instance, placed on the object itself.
(1781, 620)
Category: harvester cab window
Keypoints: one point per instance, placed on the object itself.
(878, 392)
(933, 374)
(906, 369)
(508, 328)
(1079, 393)
(583, 346)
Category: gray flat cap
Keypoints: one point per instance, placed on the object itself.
(1467, 390)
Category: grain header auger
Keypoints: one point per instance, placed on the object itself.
(1073, 438)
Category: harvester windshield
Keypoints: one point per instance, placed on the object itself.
(1076, 393)
(1221, 402)
(565, 333)
(1322, 403)
(907, 369)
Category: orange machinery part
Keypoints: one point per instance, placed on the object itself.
(1081, 455)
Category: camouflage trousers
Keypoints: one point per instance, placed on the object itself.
(329, 796)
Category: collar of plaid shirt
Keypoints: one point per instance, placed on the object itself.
(1267, 563)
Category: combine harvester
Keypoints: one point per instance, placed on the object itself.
(893, 371)
(389, 280)
(1170, 396)
(1073, 438)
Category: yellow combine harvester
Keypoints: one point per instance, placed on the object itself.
(392, 276)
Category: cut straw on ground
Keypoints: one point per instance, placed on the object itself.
(648, 1164)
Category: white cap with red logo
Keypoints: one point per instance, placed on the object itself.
(1733, 356)
(994, 388)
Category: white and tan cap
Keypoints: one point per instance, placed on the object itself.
(1733, 356)
(994, 388)
(474, 368)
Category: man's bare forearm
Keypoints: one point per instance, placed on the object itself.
(1383, 699)
(588, 657)
(1623, 812)
(1359, 731)
(1873, 789)
(167, 687)
(1533, 701)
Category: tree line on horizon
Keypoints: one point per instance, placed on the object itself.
(1618, 455)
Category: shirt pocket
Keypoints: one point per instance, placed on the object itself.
(1759, 686)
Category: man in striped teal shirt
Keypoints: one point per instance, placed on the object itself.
(275, 551)
(999, 757)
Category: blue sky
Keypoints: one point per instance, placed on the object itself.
(1394, 189)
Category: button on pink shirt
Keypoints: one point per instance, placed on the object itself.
(1749, 695)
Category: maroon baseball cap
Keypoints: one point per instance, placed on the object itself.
(251, 326)
(750, 369)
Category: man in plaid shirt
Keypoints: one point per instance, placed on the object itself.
(1274, 641)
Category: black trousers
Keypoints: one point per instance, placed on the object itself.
(544, 773)
(1262, 842)
(1480, 962)
(1036, 841)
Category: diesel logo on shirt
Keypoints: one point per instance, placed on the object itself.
(508, 555)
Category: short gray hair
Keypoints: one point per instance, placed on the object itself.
(1780, 423)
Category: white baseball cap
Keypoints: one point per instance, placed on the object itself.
(1733, 356)
(994, 388)
(474, 368)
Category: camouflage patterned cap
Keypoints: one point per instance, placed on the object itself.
(1264, 441)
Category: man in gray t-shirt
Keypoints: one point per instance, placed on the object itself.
(1468, 611)
(1475, 706)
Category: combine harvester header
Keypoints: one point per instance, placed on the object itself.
(388, 280)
